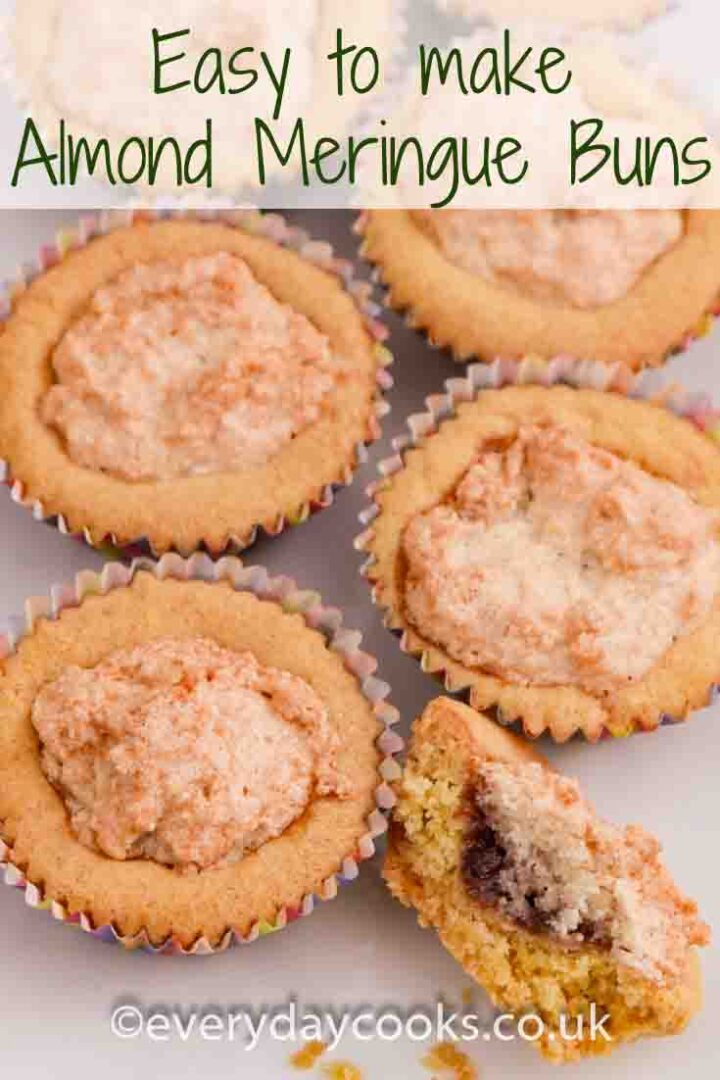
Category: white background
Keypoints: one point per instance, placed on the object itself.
(58, 986)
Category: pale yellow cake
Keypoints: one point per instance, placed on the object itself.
(554, 911)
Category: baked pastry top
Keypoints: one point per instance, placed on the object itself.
(184, 382)
(593, 285)
(183, 758)
(554, 552)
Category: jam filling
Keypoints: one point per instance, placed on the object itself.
(487, 873)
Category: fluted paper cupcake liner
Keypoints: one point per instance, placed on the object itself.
(701, 329)
(272, 227)
(647, 386)
(284, 592)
